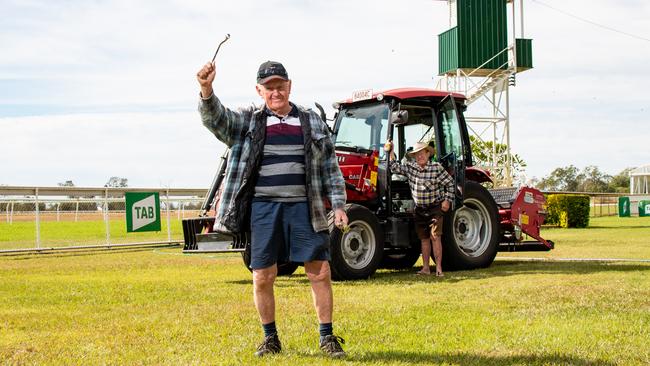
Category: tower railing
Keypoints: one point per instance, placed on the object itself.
(464, 82)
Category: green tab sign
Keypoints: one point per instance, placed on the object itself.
(142, 211)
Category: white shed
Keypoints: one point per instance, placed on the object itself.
(640, 180)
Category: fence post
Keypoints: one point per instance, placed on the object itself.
(38, 221)
(169, 229)
(601, 206)
(11, 217)
(58, 212)
(106, 221)
(609, 208)
(76, 212)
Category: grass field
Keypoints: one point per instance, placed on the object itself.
(162, 307)
(22, 234)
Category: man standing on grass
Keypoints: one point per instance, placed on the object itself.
(281, 168)
(432, 189)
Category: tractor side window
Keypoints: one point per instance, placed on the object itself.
(452, 141)
(419, 129)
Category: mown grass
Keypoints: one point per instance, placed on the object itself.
(606, 237)
(22, 234)
(162, 307)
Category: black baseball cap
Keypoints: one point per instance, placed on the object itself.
(270, 70)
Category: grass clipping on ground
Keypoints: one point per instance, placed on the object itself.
(162, 307)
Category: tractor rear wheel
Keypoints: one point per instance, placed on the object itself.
(284, 269)
(471, 233)
(357, 253)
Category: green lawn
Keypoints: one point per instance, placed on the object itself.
(66, 233)
(606, 237)
(162, 307)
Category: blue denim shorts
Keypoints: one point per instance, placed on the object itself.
(282, 231)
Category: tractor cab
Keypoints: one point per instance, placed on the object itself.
(404, 116)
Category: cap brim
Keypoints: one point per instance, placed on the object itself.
(269, 78)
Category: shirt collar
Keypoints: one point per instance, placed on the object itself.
(293, 112)
(418, 167)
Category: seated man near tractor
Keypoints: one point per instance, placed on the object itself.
(432, 189)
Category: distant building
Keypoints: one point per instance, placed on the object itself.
(640, 180)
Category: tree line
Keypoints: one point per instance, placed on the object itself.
(589, 179)
(565, 179)
(116, 182)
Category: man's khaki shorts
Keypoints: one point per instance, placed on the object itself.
(427, 230)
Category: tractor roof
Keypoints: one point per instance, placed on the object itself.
(410, 93)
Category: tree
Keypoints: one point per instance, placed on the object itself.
(620, 183)
(482, 152)
(590, 179)
(72, 205)
(561, 179)
(117, 182)
(593, 180)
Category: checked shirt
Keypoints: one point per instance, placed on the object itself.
(243, 132)
(429, 185)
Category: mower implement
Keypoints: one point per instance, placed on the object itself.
(198, 232)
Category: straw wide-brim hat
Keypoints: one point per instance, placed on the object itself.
(421, 146)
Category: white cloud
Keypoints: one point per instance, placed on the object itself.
(150, 149)
(585, 102)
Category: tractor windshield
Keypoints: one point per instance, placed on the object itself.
(362, 128)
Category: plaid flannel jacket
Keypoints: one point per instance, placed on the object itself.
(244, 132)
(429, 185)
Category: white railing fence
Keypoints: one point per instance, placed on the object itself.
(40, 219)
(52, 218)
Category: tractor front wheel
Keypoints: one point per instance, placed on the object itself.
(356, 254)
(471, 233)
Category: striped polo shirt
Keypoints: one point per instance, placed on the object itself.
(282, 170)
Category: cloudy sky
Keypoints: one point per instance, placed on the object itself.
(94, 89)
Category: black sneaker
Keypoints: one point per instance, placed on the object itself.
(270, 345)
(331, 345)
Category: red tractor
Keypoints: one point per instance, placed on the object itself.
(379, 204)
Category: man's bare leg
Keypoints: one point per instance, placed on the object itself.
(263, 280)
(318, 273)
(426, 254)
(437, 253)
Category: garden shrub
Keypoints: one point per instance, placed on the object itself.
(567, 210)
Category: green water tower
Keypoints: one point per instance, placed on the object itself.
(479, 40)
(479, 56)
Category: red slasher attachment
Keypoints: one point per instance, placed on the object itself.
(522, 211)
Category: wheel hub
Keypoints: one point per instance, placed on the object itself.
(353, 244)
(358, 245)
(472, 229)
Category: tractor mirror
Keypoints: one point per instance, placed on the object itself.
(399, 117)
